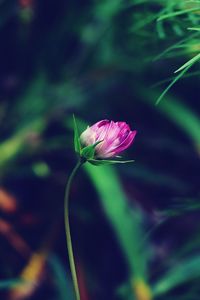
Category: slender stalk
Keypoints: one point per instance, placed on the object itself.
(67, 230)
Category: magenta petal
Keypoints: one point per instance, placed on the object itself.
(123, 125)
(126, 143)
(99, 124)
(102, 132)
(110, 140)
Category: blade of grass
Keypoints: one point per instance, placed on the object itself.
(10, 283)
(194, 28)
(178, 13)
(172, 83)
(65, 289)
(126, 223)
(12, 147)
(185, 118)
(183, 272)
(172, 78)
(179, 113)
(189, 63)
(176, 45)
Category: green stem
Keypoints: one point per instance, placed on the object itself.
(67, 230)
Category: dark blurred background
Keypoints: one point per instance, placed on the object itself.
(135, 227)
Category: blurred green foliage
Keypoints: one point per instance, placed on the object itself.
(135, 227)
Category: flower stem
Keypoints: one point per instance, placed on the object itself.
(67, 230)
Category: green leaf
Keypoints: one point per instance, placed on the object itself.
(125, 220)
(101, 162)
(177, 112)
(172, 83)
(189, 63)
(77, 144)
(182, 272)
(10, 283)
(194, 28)
(61, 278)
(177, 13)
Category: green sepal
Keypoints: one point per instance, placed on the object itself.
(101, 162)
(77, 143)
(89, 151)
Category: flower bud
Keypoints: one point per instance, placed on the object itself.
(113, 138)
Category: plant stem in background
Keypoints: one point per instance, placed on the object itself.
(67, 230)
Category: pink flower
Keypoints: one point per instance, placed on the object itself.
(114, 137)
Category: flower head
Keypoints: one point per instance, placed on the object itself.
(111, 138)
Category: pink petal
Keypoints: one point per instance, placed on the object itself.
(120, 132)
(110, 137)
(126, 143)
(88, 137)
